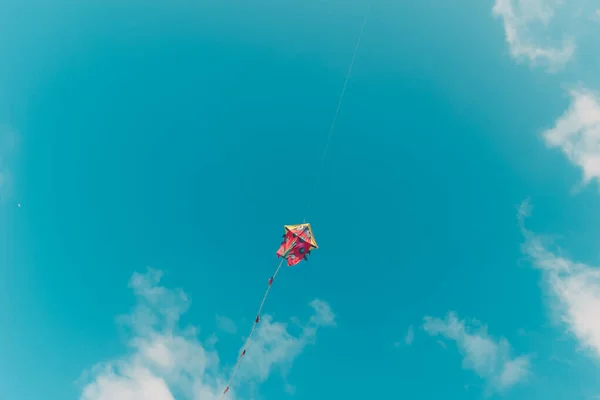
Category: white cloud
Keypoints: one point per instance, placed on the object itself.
(167, 362)
(273, 346)
(575, 287)
(226, 324)
(487, 357)
(577, 133)
(527, 30)
(522, 21)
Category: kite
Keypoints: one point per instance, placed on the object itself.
(298, 241)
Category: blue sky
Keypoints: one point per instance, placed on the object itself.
(151, 152)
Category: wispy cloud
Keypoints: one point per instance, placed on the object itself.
(226, 324)
(167, 361)
(574, 286)
(274, 346)
(526, 29)
(577, 133)
(488, 357)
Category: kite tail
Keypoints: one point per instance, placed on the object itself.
(256, 321)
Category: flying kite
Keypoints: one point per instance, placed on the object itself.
(298, 241)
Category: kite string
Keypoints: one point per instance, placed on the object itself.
(256, 320)
(339, 105)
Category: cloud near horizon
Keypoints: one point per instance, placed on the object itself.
(167, 361)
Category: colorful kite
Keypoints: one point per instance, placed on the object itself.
(298, 241)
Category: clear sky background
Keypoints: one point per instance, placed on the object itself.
(151, 152)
